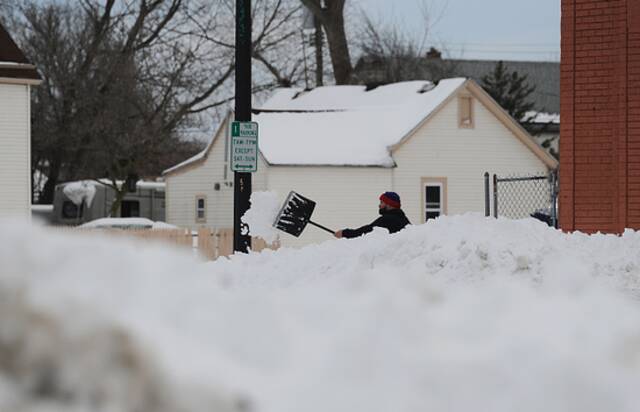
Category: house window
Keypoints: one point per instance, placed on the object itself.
(201, 209)
(434, 197)
(465, 112)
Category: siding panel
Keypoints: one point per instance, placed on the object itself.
(15, 180)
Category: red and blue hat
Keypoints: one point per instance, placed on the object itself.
(390, 198)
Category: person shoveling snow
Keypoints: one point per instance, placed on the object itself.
(297, 210)
(295, 214)
(391, 218)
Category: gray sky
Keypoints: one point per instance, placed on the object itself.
(482, 29)
(478, 29)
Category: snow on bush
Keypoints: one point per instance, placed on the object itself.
(463, 313)
(260, 217)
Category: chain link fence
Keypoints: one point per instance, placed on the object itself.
(519, 197)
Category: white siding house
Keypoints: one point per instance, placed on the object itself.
(16, 77)
(342, 146)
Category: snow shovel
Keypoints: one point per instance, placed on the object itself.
(295, 214)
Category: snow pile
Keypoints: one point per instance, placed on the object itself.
(126, 223)
(80, 191)
(260, 217)
(163, 225)
(463, 313)
(73, 359)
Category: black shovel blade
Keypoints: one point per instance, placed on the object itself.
(295, 214)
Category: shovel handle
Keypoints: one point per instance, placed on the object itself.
(322, 227)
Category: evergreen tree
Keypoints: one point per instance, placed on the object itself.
(510, 90)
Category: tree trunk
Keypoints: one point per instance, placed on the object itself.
(49, 189)
(338, 48)
(129, 181)
(332, 19)
(117, 201)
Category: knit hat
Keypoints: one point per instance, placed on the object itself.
(390, 198)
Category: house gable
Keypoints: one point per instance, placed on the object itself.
(471, 88)
(202, 176)
(509, 122)
(206, 175)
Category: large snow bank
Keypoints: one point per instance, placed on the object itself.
(461, 314)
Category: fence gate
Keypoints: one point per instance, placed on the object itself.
(518, 197)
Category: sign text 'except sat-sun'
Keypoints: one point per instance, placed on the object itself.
(244, 146)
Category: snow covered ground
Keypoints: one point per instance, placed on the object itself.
(463, 313)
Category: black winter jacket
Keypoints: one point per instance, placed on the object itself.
(393, 220)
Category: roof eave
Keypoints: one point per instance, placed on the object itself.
(181, 166)
(20, 80)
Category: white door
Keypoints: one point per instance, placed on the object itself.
(434, 197)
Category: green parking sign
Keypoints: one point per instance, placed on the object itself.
(244, 147)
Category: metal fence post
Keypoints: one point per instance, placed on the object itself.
(554, 198)
(487, 199)
(495, 196)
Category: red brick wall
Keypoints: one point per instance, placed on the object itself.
(600, 115)
(633, 87)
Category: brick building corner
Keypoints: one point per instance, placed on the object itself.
(600, 112)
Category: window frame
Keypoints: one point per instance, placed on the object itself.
(202, 219)
(440, 182)
(461, 103)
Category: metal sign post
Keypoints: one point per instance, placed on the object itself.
(242, 180)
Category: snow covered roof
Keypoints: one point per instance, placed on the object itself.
(345, 125)
(341, 125)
